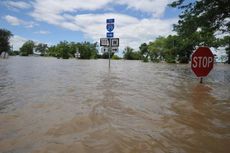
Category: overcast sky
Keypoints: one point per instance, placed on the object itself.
(51, 21)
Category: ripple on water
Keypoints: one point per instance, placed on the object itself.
(51, 105)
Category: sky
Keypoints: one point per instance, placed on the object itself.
(52, 21)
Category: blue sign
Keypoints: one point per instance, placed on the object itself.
(109, 34)
(109, 20)
(110, 27)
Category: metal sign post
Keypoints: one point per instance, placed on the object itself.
(109, 50)
(109, 43)
(109, 34)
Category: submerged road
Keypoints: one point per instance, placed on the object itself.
(50, 105)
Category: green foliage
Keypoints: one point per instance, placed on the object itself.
(42, 48)
(13, 53)
(115, 57)
(62, 50)
(4, 40)
(27, 48)
(130, 54)
(52, 51)
(156, 49)
(199, 22)
(66, 50)
(225, 41)
(87, 50)
(105, 55)
(144, 52)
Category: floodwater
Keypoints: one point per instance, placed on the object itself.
(80, 106)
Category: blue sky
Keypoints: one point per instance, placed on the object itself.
(51, 21)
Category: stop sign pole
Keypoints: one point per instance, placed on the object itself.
(202, 62)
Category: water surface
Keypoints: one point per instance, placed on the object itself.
(50, 105)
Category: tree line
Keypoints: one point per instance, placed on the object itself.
(63, 49)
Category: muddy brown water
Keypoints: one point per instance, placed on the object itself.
(66, 106)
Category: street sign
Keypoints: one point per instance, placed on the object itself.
(109, 34)
(114, 49)
(106, 49)
(110, 27)
(109, 21)
(115, 42)
(104, 42)
(202, 61)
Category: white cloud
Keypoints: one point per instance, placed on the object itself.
(13, 20)
(17, 41)
(43, 32)
(17, 4)
(154, 7)
(131, 30)
(50, 10)
(16, 21)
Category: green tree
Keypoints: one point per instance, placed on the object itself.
(156, 49)
(199, 22)
(42, 48)
(27, 48)
(62, 50)
(144, 52)
(72, 48)
(87, 50)
(13, 53)
(52, 51)
(105, 55)
(130, 54)
(115, 57)
(226, 43)
(66, 50)
(4, 40)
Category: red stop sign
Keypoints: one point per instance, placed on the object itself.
(202, 61)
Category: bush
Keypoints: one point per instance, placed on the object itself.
(184, 60)
(115, 57)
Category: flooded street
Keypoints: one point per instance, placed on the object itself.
(66, 106)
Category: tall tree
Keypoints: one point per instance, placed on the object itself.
(201, 20)
(27, 48)
(63, 49)
(4, 40)
(156, 49)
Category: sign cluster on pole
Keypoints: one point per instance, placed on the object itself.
(109, 44)
(202, 62)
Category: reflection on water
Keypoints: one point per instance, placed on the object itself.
(49, 105)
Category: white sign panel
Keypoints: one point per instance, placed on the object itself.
(104, 42)
(115, 42)
(106, 49)
(114, 49)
